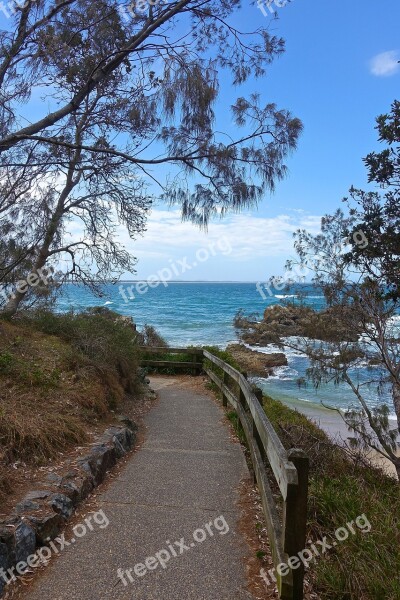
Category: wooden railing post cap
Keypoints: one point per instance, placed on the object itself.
(297, 453)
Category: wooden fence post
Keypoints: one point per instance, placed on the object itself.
(242, 397)
(259, 395)
(289, 469)
(200, 357)
(225, 380)
(295, 518)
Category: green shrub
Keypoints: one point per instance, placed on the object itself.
(99, 335)
(149, 336)
(173, 358)
(365, 566)
(6, 360)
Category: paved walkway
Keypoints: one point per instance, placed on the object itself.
(182, 483)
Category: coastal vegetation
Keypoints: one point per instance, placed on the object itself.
(130, 117)
(358, 276)
(60, 376)
(343, 486)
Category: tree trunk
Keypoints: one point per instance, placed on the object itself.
(396, 401)
(52, 228)
(12, 305)
(17, 297)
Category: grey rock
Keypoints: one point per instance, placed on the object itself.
(126, 437)
(54, 478)
(47, 527)
(128, 422)
(26, 506)
(7, 551)
(62, 505)
(4, 559)
(37, 495)
(77, 486)
(101, 459)
(23, 531)
(83, 463)
(25, 541)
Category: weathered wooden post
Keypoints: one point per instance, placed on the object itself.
(295, 518)
(224, 396)
(194, 361)
(242, 397)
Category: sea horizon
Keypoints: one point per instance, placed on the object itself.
(202, 314)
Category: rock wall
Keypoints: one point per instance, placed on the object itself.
(43, 513)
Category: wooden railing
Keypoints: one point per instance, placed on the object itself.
(286, 519)
(195, 365)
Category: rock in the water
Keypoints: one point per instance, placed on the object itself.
(256, 363)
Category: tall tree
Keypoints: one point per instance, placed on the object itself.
(95, 190)
(356, 262)
(130, 96)
(161, 67)
(377, 213)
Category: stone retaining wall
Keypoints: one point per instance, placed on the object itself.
(43, 513)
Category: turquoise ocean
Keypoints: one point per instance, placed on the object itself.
(202, 313)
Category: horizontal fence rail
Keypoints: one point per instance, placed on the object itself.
(195, 364)
(286, 520)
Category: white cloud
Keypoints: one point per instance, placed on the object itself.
(385, 64)
(249, 236)
(244, 246)
(253, 240)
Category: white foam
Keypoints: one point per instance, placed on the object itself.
(284, 374)
(283, 297)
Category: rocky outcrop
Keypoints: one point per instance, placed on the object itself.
(43, 513)
(330, 325)
(256, 363)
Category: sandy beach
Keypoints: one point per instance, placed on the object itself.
(332, 423)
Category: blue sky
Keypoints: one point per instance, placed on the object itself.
(338, 73)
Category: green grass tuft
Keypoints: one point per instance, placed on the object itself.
(365, 566)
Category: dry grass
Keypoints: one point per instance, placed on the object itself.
(50, 392)
(365, 566)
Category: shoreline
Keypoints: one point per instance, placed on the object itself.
(333, 425)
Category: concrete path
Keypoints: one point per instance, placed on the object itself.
(173, 506)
